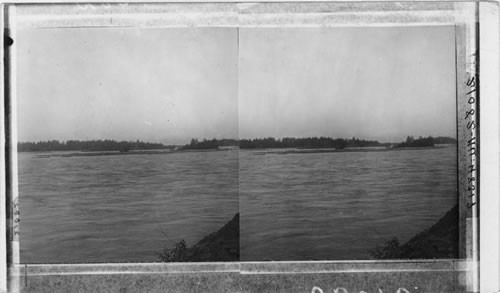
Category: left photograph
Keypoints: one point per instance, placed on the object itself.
(119, 144)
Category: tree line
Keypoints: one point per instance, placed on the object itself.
(88, 145)
(312, 142)
(206, 144)
(425, 141)
(195, 144)
(307, 142)
(287, 142)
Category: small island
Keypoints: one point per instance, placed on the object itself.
(425, 141)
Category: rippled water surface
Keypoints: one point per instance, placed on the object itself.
(122, 208)
(292, 206)
(340, 205)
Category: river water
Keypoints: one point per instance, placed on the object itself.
(324, 206)
(126, 208)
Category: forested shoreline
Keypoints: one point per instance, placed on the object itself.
(207, 144)
(88, 145)
(287, 142)
(314, 142)
(425, 141)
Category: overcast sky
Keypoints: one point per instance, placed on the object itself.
(169, 85)
(161, 85)
(380, 83)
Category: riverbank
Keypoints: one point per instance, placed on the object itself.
(439, 241)
(354, 150)
(223, 245)
(103, 153)
(257, 151)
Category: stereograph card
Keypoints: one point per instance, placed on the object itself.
(250, 147)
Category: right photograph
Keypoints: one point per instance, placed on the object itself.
(348, 145)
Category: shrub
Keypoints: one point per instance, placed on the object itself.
(178, 253)
(390, 250)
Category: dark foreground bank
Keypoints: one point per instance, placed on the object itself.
(223, 245)
(439, 241)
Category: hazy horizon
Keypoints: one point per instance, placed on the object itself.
(229, 138)
(169, 85)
